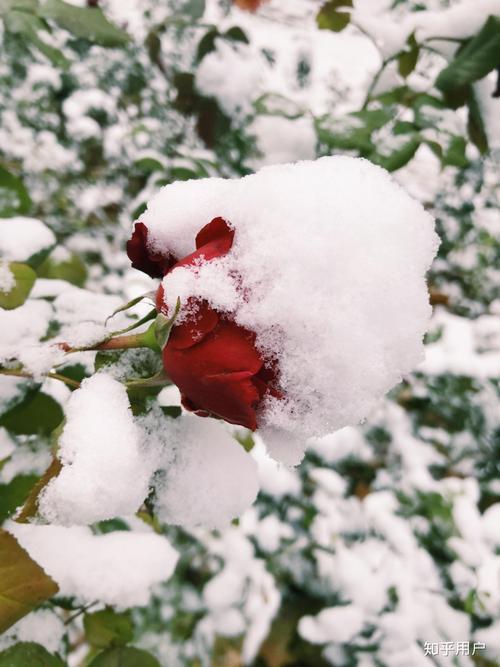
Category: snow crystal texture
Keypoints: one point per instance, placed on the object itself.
(332, 256)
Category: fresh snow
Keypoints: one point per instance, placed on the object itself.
(211, 479)
(21, 238)
(117, 568)
(332, 256)
(104, 472)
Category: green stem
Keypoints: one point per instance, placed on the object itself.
(55, 376)
(144, 339)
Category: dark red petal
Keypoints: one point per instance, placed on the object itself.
(216, 230)
(228, 349)
(196, 327)
(216, 375)
(154, 264)
(234, 397)
(213, 241)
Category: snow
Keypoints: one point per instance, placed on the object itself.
(345, 442)
(21, 238)
(25, 460)
(41, 626)
(243, 585)
(83, 313)
(211, 479)
(117, 568)
(233, 92)
(457, 349)
(275, 479)
(28, 323)
(489, 107)
(7, 280)
(104, 473)
(335, 624)
(346, 322)
(282, 139)
(461, 20)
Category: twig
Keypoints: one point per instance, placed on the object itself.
(81, 611)
(30, 507)
(55, 376)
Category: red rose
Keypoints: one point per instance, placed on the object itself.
(248, 5)
(214, 361)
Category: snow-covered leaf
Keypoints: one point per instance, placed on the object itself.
(84, 22)
(23, 279)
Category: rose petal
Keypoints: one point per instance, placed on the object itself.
(154, 264)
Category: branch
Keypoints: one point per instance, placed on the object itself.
(55, 376)
(30, 507)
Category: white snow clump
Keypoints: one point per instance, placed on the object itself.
(21, 238)
(117, 568)
(327, 268)
(105, 473)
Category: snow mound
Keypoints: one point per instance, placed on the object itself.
(21, 238)
(104, 473)
(117, 568)
(327, 268)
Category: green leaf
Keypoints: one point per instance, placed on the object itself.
(399, 157)
(24, 278)
(23, 583)
(408, 58)
(149, 164)
(13, 494)
(137, 323)
(374, 119)
(29, 654)
(403, 127)
(126, 656)
(194, 9)
(480, 56)
(72, 270)
(85, 22)
(130, 304)
(237, 35)
(14, 198)
(173, 411)
(206, 44)
(329, 18)
(37, 414)
(245, 438)
(25, 5)
(27, 27)
(475, 125)
(107, 628)
(455, 154)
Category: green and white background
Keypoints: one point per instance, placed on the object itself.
(383, 547)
